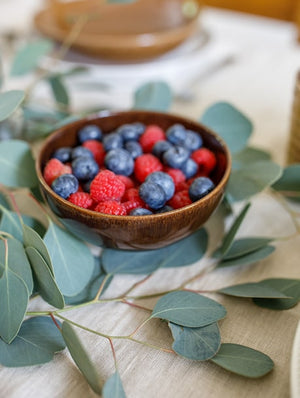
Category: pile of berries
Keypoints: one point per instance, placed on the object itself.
(133, 170)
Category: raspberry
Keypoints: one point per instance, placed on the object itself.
(97, 150)
(111, 207)
(127, 181)
(81, 199)
(106, 186)
(206, 160)
(131, 194)
(177, 175)
(151, 135)
(133, 204)
(180, 199)
(55, 168)
(146, 164)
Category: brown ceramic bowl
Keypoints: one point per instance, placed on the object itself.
(134, 232)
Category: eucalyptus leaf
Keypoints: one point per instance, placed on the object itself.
(153, 96)
(243, 246)
(9, 102)
(113, 387)
(81, 357)
(181, 253)
(234, 127)
(247, 156)
(72, 261)
(27, 57)
(252, 290)
(290, 179)
(249, 258)
(243, 361)
(46, 284)
(198, 344)
(17, 164)
(289, 287)
(4, 202)
(188, 309)
(36, 343)
(251, 179)
(59, 90)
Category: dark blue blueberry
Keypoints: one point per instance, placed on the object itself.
(112, 141)
(176, 156)
(134, 148)
(80, 151)
(131, 132)
(119, 161)
(176, 134)
(164, 180)
(84, 168)
(89, 132)
(152, 194)
(86, 185)
(189, 168)
(200, 187)
(65, 185)
(160, 147)
(140, 211)
(164, 209)
(192, 141)
(63, 154)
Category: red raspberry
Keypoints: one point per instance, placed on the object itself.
(145, 165)
(206, 160)
(55, 168)
(181, 186)
(106, 186)
(133, 204)
(180, 199)
(111, 207)
(151, 135)
(81, 199)
(127, 181)
(97, 150)
(131, 194)
(177, 175)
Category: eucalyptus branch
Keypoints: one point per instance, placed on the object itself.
(107, 276)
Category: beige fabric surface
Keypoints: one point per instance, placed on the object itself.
(260, 83)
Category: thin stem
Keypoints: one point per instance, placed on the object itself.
(145, 343)
(113, 352)
(139, 327)
(107, 276)
(54, 321)
(136, 305)
(3, 233)
(135, 285)
(284, 204)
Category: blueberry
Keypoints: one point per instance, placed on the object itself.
(64, 185)
(176, 156)
(164, 209)
(86, 185)
(200, 187)
(63, 154)
(134, 148)
(84, 168)
(192, 141)
(80, 151)
(89, 132)
(140, 211)
(112, 141)
(152, 194)
(131, 132)
(164, 180)
(189, 168)
(160, 147)
(176, 134)
(119, 161)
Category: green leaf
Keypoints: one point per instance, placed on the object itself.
(290, 179)
(28, 57)
(251, 179)
(72, 261)
(4, 202)
(81, 357)
(46, 284)
(36, 343)
(156, 96)
(289, 287)
(184, 252)
(243, 361)
(234, 127)
(243, 246)
(17, 164)
(252, 290)
(229, 237)
(9, 102)
(249, 258)
(247, 156)
(17, 261)
(198, 344)
(59, 90)
(188, 309)
(113, 387)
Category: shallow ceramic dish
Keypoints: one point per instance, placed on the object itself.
(134, 232)
(138, 30)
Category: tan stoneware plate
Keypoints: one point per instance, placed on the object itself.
(139, 30)
(134, 232)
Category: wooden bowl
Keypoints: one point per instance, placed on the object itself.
(134, 232)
